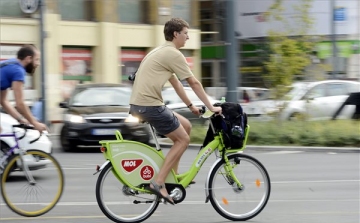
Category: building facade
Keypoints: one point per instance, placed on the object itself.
(252, 26)
(99, 41)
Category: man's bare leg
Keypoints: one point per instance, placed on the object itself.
(187, 126)
(181, 140)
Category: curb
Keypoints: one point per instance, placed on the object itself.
(165, 144)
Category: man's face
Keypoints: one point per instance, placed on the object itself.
(181, 37)
(32, 62)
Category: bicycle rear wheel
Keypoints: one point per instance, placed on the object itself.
(232, 202)
(31, 199)
(120, 203)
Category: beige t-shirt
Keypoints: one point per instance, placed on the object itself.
(155, 70)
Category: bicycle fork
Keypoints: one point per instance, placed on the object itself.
(229, 176)
(26, 169)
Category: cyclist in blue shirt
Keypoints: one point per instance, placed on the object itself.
(12, 75)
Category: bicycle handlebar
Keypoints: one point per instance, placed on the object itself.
(203, 110)
(26, 127)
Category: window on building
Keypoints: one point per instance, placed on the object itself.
(130, 60)
(133, 11)
(76, 67)
(76, 9)
(182, 9)
(10, 8)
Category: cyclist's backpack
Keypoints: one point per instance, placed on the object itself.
(3, 64)
(232, 125)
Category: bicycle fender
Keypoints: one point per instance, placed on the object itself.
(99, 169)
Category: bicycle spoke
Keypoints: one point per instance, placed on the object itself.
(244, 201)
(38, 196)
(120, 203)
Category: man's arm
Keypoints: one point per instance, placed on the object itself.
(8, 107)
(199, 91)
(17, 87)
(179, 89)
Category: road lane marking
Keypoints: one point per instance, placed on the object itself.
(313, 181)
(90, 203)
(284, 152)
(64, 217)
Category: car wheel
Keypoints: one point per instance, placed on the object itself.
(66, 145)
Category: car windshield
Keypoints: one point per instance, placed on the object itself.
(100, 96)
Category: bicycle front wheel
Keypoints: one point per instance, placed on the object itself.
(239, 203)
(119, 202)
(32, 184)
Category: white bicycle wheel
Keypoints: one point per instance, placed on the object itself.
(232, 202)
(120, 203)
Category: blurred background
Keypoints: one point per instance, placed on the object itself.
(245, 50)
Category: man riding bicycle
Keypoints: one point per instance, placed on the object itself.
(162, 64)
(13, 73)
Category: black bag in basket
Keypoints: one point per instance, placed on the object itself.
(232, 125)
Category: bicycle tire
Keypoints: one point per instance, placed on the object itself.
(224, 194)
(109, 188)
(41, 165)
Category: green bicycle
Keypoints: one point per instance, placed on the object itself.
(238, 185)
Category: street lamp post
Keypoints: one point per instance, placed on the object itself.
(29, 7)
(232, 70)
(42, 67)
(333, 40)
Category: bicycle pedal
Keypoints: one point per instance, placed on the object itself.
(128, 191)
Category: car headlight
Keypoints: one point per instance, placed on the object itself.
(74, 118)
(132, 119)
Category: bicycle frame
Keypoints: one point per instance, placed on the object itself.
(12, 149)
(125, 156)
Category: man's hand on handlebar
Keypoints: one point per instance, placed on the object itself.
(216, 110)
(40, 127)
(195, 110)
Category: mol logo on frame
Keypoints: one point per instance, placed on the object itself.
(130, 165)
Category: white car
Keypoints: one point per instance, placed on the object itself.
(173, 102)
(43, 144)
(318, 100)
(244, 94)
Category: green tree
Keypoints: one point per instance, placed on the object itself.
(290, 47)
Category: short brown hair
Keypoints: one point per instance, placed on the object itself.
(26, 50)
(174, 25)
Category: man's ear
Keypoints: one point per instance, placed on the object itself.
(175, 34)
(28, 59)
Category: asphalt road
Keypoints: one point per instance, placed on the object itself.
(311, 187)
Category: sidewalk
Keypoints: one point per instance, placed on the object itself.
(166, 143)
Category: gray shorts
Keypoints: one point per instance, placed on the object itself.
(160, 117)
